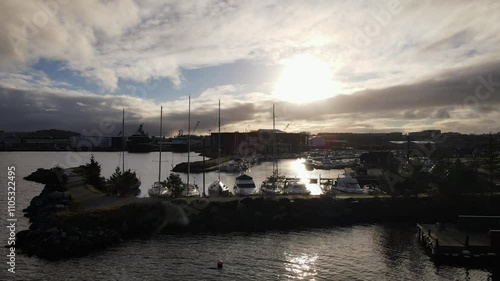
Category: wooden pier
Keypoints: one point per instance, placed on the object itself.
(462, 241)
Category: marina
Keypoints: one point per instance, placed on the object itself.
(260, 170)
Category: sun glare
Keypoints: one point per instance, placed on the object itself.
(305, 79)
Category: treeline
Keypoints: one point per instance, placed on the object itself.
(121, 183)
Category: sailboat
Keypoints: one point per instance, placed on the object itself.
(189, 189)
(121, 182)
(159, 188)
(218, 188)
(273, 184)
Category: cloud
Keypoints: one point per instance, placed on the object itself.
(420, 64)
(440, 102)
(105, 41)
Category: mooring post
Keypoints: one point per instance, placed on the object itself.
(466, 241)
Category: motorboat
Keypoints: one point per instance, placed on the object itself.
(309, 164)
(296, 187)
(323, 164)
(245, 186)
(371, 189)
(349, 185)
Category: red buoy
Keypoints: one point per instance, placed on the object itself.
(219, 264)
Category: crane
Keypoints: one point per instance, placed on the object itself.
(286, 127)
(195, 127)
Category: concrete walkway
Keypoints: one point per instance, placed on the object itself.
(88, 200)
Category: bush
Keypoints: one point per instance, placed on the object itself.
(125, 184)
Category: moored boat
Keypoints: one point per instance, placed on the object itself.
(159, 189)
(140, 142)
(296, 187)
(349, 185)
(245, 186)
(192, 191)
(273, 185)
(218, 188)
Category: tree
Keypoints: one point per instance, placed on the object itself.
(92, 173)
(491, 161)
(174, 183)
(457, 179)
(125, 184)
(114, 181)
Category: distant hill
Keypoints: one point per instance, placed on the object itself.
(54, 133)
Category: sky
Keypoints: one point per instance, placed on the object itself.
(327, 66)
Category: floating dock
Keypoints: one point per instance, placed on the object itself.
(471, 237)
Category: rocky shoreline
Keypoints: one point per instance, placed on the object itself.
(67, 225)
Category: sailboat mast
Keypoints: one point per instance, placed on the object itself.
(189, 144)
(159, 157)
(274, 145)
(123, 140)
(218, 156)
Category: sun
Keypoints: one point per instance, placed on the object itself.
(305, 79)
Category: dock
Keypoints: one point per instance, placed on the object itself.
(472, 237)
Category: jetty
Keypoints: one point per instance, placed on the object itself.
(472, 237)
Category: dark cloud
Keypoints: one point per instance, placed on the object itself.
(24, 110)
(437, 98)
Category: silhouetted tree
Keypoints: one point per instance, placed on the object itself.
(491, 160)
(457, 179)
(174, 183)
(124, 183)
(92, 173)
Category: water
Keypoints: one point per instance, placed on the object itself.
(361, 252)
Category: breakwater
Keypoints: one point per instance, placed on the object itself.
(68, 219)
(206, 166)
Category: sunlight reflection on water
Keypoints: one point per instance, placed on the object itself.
(300, 266)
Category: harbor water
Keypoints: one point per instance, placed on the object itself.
(358, 252)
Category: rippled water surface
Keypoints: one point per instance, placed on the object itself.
(360, 252)
(364, 252)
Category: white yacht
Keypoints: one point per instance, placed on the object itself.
(244, 186)
(296, 187)
(349, 185)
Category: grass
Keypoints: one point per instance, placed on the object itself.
(95, 190)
